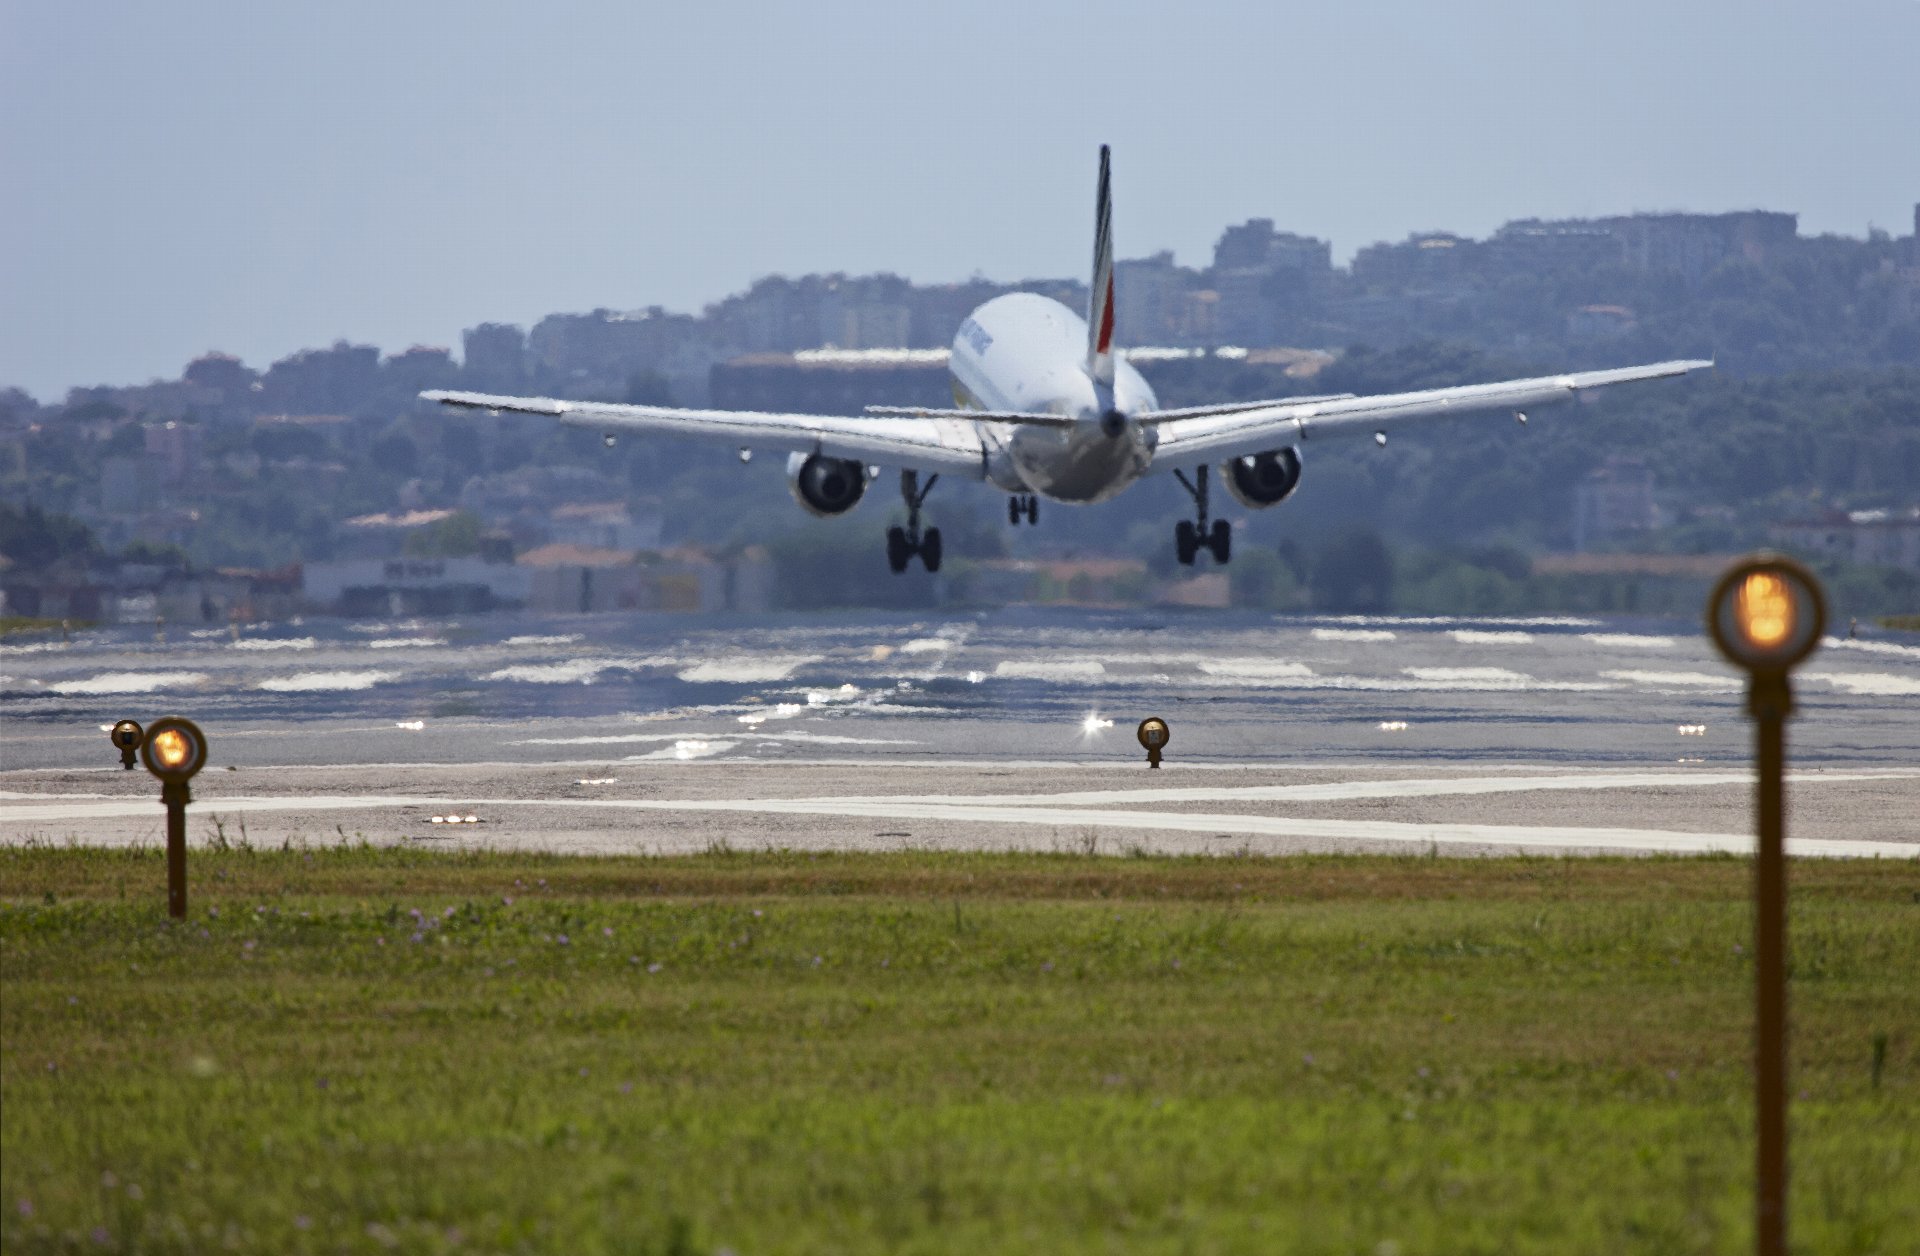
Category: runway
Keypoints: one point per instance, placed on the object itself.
(1010, 730)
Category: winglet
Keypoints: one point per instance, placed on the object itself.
(1100, 291)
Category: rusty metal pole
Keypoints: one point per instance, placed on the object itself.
(1770, 701)
(1766, 615)
(176, 796)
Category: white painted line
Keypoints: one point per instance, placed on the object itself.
(1532, 837)
(1340, 791)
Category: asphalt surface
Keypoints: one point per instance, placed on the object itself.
(670, 733)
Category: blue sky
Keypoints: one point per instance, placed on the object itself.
(258, 178)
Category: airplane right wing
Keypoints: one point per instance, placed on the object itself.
(948, 446)
(1189, 440)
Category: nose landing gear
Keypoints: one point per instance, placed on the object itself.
(1190, 537)
(904, 543)
(1027, 504)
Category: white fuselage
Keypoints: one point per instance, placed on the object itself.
(1023, 353)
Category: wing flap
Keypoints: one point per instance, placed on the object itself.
(931, 444)
(973, 416)
(1189, 440)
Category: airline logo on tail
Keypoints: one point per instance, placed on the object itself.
(1100, 291)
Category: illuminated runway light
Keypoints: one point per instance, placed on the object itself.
(412, 726)
(598, 780)
(974, 678)
(1094, 724)
(1393, 726)
(753, 719)
(1692, 730)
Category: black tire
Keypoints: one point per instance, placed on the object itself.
(1221, 543)
(1013, 511)
(898, 551)
(1033, 509)
(1186, 542)
(930, 549)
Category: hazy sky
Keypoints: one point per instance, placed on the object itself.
(259, 178)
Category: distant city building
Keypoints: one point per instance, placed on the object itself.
(1615, 498)
(569, 579)
(493, 357)
(175, 449)
(226, 388)
(1600, 322)
(413, 586)
(1886, 538)
(417, 370)
(833, 381)
(340, 380)
(1267, 281)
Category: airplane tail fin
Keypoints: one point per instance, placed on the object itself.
(1100, 291)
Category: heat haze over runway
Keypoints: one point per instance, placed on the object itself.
(997, 729)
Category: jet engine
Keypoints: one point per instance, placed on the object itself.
(826, 486)
(1262, 480)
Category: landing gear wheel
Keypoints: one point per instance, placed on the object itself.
(904, 543)
(1186, 543)
(1013, 511)
(1221, 542)
(1033, 508)
(1192, 534)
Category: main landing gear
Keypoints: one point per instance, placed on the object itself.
(1027, 504)
(904, 543)
(1191, 536)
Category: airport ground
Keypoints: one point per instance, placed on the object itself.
(876, 934)
(1012, 729)
(383, 1048)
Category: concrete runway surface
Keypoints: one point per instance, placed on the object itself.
(1009, 729)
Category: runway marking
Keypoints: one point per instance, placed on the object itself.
(1047, 811)
(315, 682)
(1341, 791)
(1533, 837)
(1869, 684)
(1631, 640)
(127, 682)
(1709, 680)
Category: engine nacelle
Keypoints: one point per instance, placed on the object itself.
(1262, 480)
(826, 486)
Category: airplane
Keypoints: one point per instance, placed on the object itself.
(1046, 407)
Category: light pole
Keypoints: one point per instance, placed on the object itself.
(175, 749)
(1766, 615)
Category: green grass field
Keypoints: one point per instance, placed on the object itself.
(390, 1050)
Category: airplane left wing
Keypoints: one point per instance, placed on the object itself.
(948, 446)
(1185, 441)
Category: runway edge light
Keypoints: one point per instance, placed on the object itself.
(1154, 734)
(1766, 615)
(126, 737)
(175, 749)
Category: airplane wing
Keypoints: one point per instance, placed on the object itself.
(1185, 441)
(948, 446)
